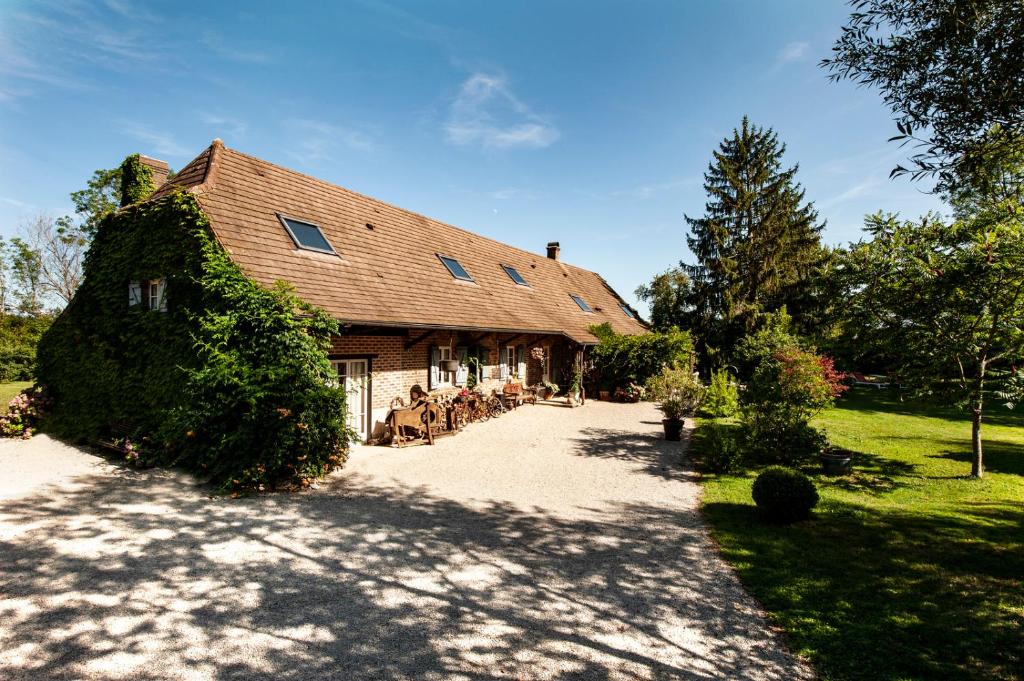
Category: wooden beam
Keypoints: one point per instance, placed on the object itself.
(508, 341)
(417, 339)
(477, 339)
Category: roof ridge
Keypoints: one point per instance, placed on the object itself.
(398, 208)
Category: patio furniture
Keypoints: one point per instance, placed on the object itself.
(512, 395)
(877, 382)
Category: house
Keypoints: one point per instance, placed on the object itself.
(408, 291)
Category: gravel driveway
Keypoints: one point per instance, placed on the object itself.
(551, 543)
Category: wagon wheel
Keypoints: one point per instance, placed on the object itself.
(495, 408)
(428, 417)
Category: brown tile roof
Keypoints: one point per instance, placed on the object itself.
(390, 274)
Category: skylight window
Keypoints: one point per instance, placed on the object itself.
(629, 313)
(514, 275)
(307, 235)
(582, 303)
(457, 270)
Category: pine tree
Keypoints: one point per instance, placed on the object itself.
(756, 244)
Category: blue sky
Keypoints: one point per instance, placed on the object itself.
(589, 123)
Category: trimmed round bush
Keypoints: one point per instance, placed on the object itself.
(784, 495)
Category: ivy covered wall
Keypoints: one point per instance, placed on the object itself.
(230, 380)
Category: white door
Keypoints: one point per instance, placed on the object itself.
(354, 377)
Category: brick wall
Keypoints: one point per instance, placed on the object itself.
(397, 368)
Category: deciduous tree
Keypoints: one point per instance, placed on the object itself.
(948, 299)
(950, 71)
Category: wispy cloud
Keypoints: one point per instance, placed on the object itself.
(314, 140)
(486, 113)
(509, 193)
(16, 203)
(66, 45)
(157, 141)
(130, 10)
(791, 52)
(226, 126)
(865, 187)
(650, 190)
(215, 43)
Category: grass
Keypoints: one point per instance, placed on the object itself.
(910, 569)
(9, 390)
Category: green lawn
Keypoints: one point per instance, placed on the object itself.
(9, 390)
(909, 569)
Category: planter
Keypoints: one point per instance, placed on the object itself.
(836, 463)
(572, 399)
(673, 429)
(548, 393)
(449, 365)
(604, 395)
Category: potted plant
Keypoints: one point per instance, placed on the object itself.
(674, 408)
(573, 398)
(550, 389)
(679, 394)
(449, 365)
(836, 461)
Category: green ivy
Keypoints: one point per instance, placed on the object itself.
(623, 359)
(136, 180)
(231, 381)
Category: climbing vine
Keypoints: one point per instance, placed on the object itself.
(136, 180)
(231, 381)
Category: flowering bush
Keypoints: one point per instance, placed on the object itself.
(631, 393)
(24, 412)
(677, 392)
(788, 388)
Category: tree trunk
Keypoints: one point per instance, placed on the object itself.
(977, 405)
(977, 469)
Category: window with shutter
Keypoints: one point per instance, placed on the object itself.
(463, 373)
(435, 369)
(134, 293)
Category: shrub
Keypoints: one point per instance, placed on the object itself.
(723, 397)
(787, 389)
(24, 413)
(630, 393)
(774, 334)
(619, 360)
(784, 495)
(719, 448)
(18, 338)
(677, 392)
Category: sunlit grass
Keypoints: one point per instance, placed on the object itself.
(9, 390)
(910, 569)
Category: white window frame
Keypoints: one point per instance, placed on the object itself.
(512, 361)
(445, 379)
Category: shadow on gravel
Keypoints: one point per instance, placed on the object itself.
(143, 576)
(653, 453)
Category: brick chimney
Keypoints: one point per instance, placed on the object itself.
(553, 250)
(159, 169)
